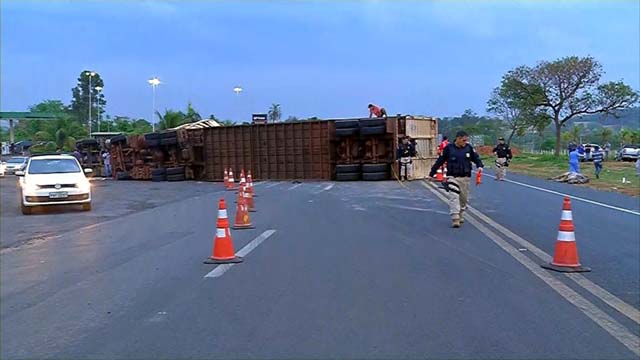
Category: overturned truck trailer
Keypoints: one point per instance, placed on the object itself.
(341, 149)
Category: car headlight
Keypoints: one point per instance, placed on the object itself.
(84, 186)
(29, 188)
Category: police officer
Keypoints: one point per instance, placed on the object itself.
(458, 155)
(503, 156)
(405, 151)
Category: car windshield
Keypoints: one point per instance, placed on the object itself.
(53, 166)
(15, 161)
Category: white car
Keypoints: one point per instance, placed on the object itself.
(54, 180)
(628, 153)
(15, 163)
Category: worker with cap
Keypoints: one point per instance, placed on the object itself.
(458, 155)
(376, 111)
(406, 150)
(503, 156)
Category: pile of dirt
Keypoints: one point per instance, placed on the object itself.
(486, 150)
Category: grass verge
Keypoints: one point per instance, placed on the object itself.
(547, 166)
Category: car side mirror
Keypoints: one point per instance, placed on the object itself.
(88, 171)
(19, 173)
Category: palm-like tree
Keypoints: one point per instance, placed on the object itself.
(192, 115)
(170, 119)
(275, 112)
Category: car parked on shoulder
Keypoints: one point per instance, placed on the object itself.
(3, 167)
(54, 180)
(15, 163)
(628, 153)
(589, 150)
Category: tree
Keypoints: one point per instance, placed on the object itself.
(605, 134)
(275, 112)
(628, 136)
(512, 105)
(192, 115)
(170, 119)
(292, 119)
(80, 101)
(227, 123)
(58, 133)
(570, 87)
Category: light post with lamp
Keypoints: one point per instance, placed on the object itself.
(154, 82)
(91, 74)
(99, 89)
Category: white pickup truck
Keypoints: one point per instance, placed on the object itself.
(628, 153)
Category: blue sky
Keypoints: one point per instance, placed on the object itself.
(315, 58)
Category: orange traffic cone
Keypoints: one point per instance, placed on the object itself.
(250, 184)
(242, 213)
(243, 180)
(232, 181)
(566, 256)
(444, 168)
(223, 252)
(249, 201)
(226, 177)
(439, 176)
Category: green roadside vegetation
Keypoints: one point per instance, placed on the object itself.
(547, 166)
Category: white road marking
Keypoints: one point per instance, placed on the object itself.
(417, 209)
(572, 197)
(608, 298)
(295, 186)
(609, 324)
(274, 184)
(221, 269)
(329, 187)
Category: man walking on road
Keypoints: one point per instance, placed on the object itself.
(598, 157)
(503, 156)
(458, 157)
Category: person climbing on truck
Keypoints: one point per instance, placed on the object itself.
(377, 111)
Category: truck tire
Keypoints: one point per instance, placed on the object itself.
(373, 122)
(179, 177)
(346, 132)
(347, 124)
(152, 143)
(375, 176)
(348, 177)
(169, 135)
(373, 130)
(175, 171)
(375, 168)
(123, 175)
(158, 172)
(152, 136)
(351, 168)
(169, 141)
(89, 142)
(119, 139)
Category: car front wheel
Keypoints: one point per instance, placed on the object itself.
(86, 207)
(26, 210)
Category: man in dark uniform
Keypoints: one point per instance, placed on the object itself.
(503, 156)
(405, 151)
(458, 155)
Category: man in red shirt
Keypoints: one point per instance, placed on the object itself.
(377, 111)
(443, 144)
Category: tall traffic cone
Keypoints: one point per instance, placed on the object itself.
(223, 252)
(566, 256)
(232, 181)
(439, 176)
(444, 169)
(243, 180)
(250, 184)
(249, 201)
(242, 220)
(226, 177)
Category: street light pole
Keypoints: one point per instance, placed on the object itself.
(91, 74)
(154, 82)
(99, 89)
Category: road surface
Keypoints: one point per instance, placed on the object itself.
(340, 270)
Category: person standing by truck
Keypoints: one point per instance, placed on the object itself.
(406, 150)
(459, 156)
(106, 159)
(503, 156)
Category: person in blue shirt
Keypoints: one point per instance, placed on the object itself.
(574, 162)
